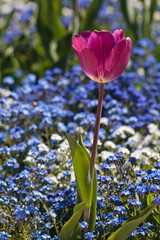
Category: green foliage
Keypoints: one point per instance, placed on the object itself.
(152, 9)
(92, 219)
(7, 21)
(156, 216)
(51, 45)
(86, 190)
(55, 38)
(48, 24)
(82, 170)
(90, 15)
(127, 228)
(157, 53)
(21, 54)
(150, 198)
(71, 230)
(3, 46)
(130, 14)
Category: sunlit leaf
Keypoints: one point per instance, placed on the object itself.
(69, 230)
(92, 220)
(127, 228)
(150, 198)
(82, 170)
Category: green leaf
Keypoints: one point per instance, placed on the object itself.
(63, 50)
(55, 25)
(150, 198)
(130, 15)
(72, 143)
(153, 4)
(148, 11)
(3, 48)
(49, 25)
(91, 14)
(7, 21)
(156, 216)
(82, 170)
(88, 157)
(64, 45)
(127, 228)
(92, 220)
(94, 185)
(84, 149)
(49, 18)
(78, 207)
(129, 12)
(157, 53)
(45, 33)
(69, 230)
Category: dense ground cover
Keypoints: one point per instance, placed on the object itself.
(37, 185)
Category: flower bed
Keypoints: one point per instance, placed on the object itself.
(37, 184)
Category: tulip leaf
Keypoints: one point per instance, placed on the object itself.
(127, 228)
(82, 170)
(72, 143)
(84, 149)
(71, 229)
(79, 197)
(92, 220)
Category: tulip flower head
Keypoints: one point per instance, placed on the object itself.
(103, 56)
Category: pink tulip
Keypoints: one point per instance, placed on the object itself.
(103, 56)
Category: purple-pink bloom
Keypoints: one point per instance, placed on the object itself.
(103, 56)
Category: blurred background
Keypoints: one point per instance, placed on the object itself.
(36, 35)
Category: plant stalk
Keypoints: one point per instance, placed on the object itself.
(96, 131)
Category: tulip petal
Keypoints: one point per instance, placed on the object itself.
(118, 35)
(86, 35)
(118, 59)
(101, 43)
(79, 43)
(102, 56)
(88, 63)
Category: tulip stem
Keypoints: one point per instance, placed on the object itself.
(94, 148)
(96, 131)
